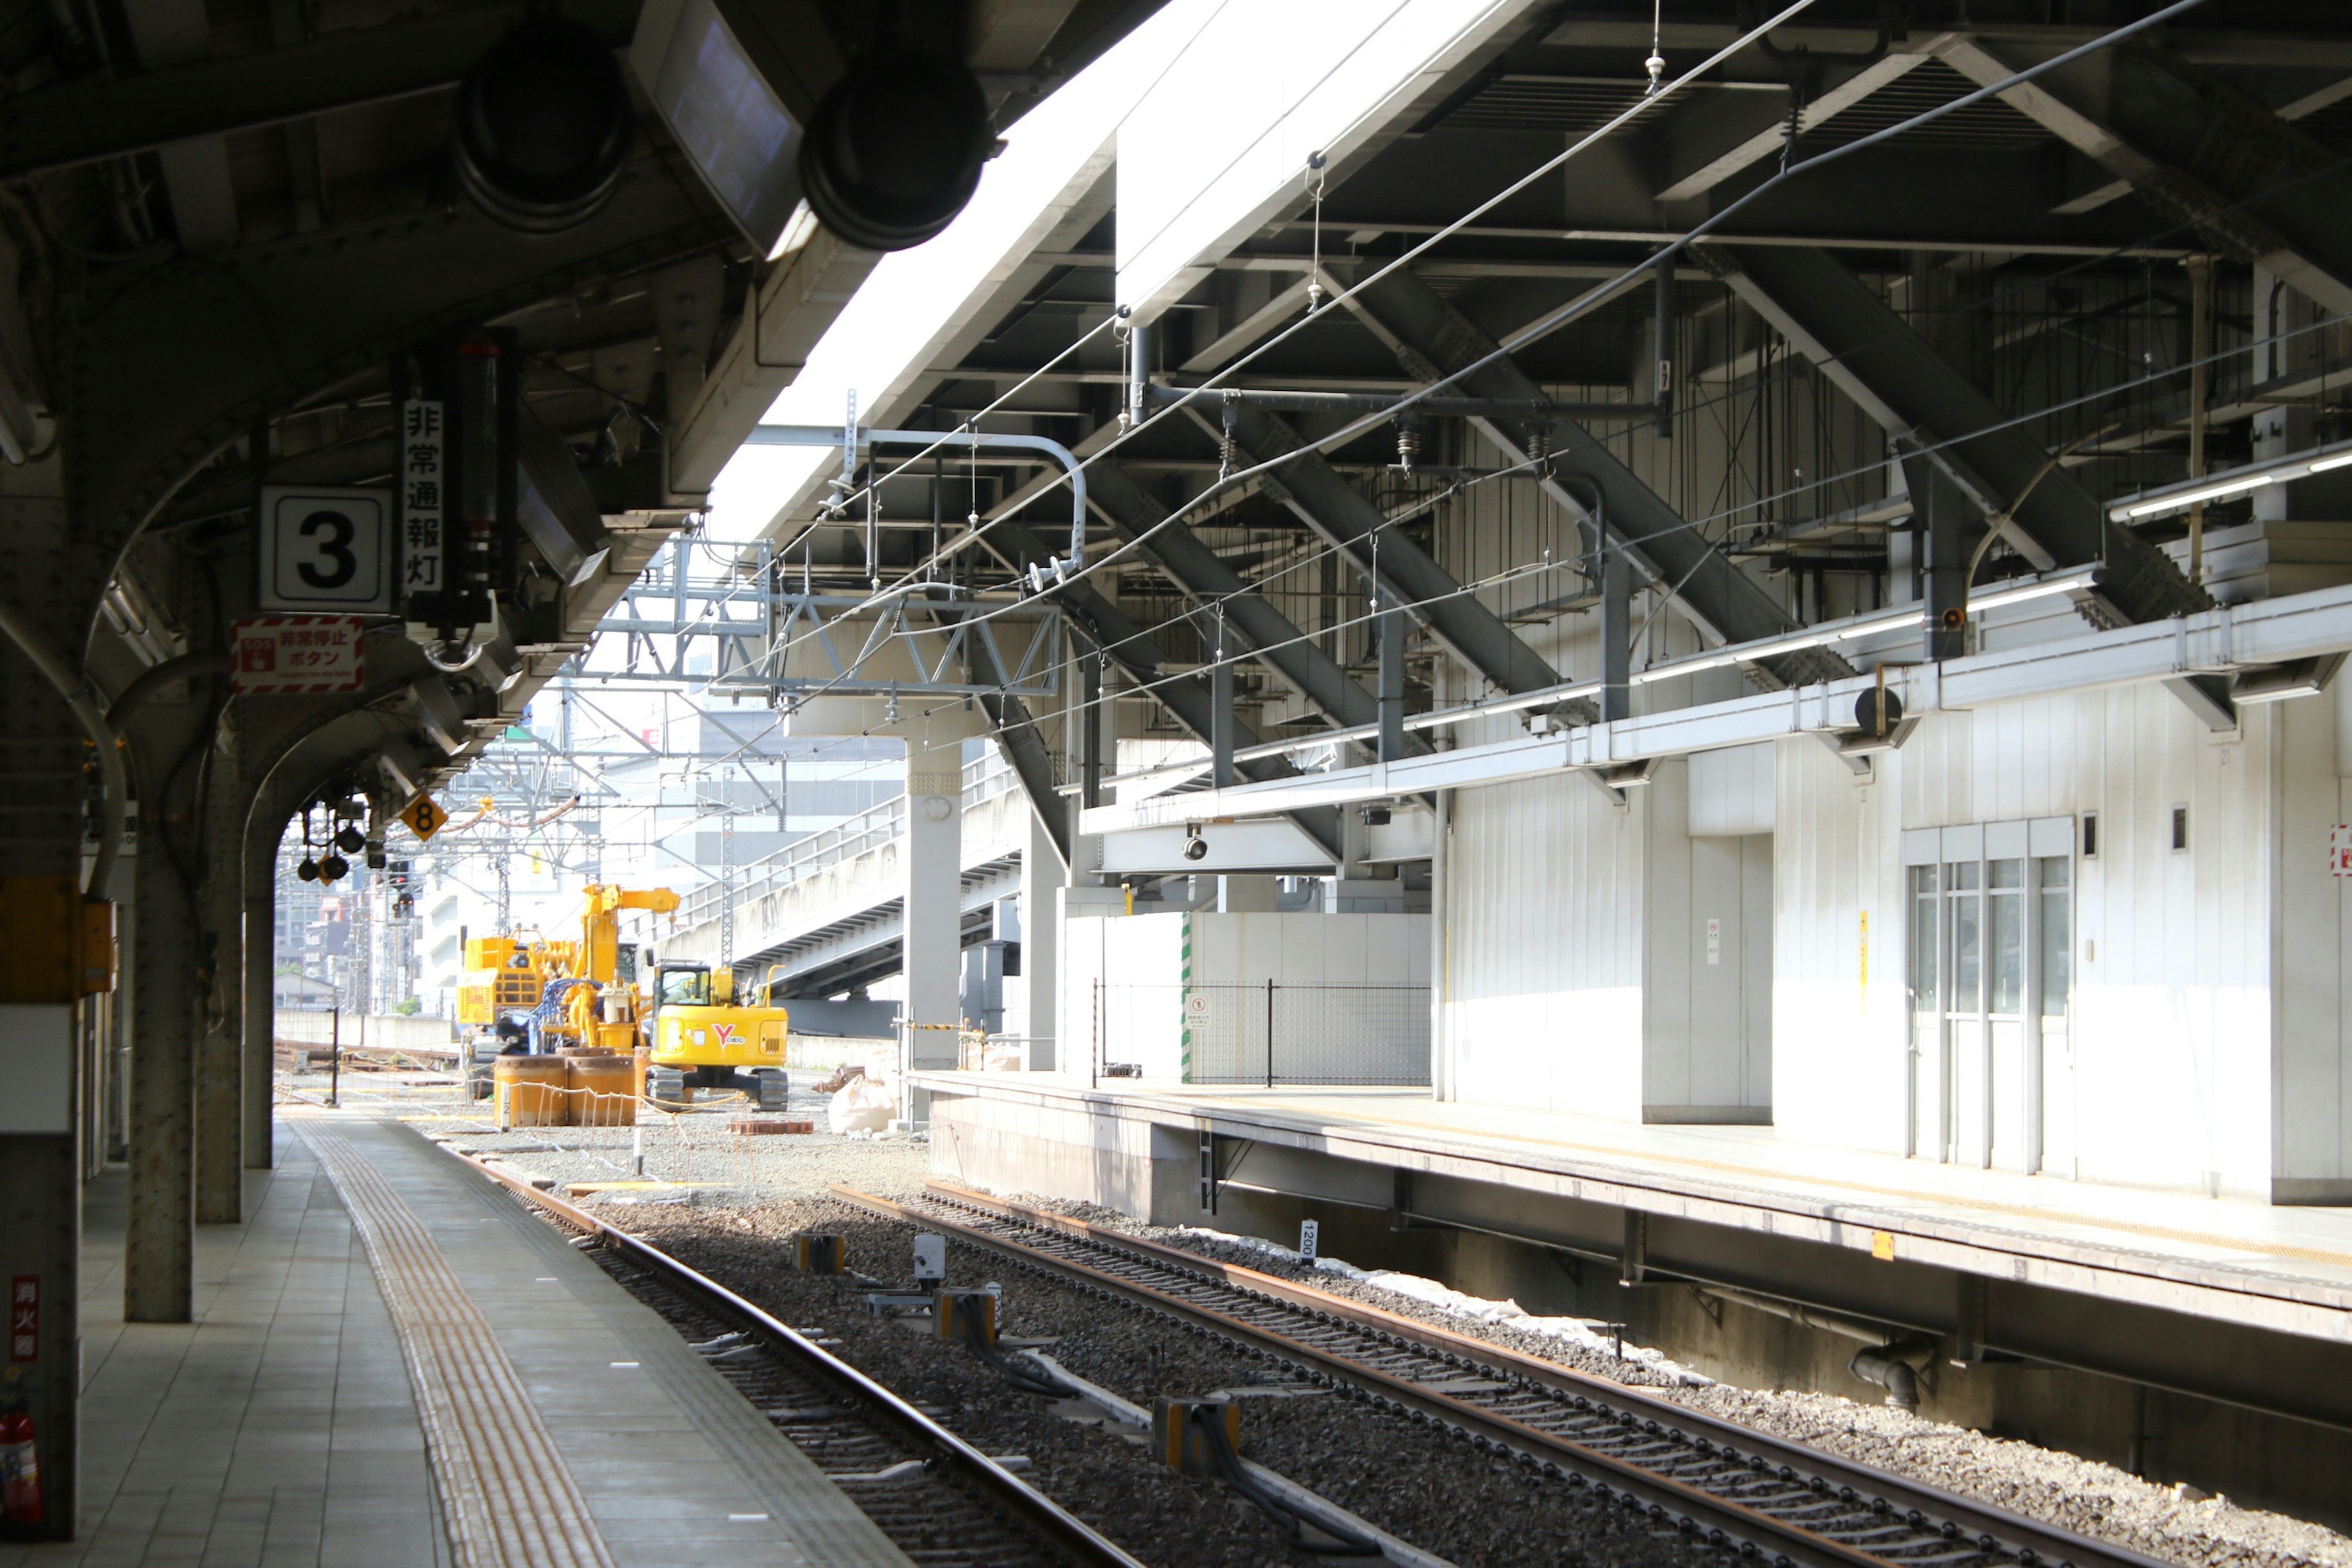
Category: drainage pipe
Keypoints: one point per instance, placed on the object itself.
(976, 440)
(1836, 1323)
(1886, 1367)
(1883, 1359)
(81, 696)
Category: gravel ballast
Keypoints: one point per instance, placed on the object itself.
(1430, 1489)
(744, 1222)
(2166, 1521)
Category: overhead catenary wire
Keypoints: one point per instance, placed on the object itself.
(1593, 299)
(1588, 301)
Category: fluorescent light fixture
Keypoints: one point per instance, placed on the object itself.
(2205, 492)
(2070, 583)
(2319, 460)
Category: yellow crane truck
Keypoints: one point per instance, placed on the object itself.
(506, 981)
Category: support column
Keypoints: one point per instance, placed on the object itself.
(257, 950)
(1616, 633)
(160, 1238)
(40, 1108)
(1043, 878)
(1389, 744)
(933, 875)
(220, 996)
(1247, 895)
(1940, 516)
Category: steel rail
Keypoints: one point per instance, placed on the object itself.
(1062, 1532)
(1765, 1496)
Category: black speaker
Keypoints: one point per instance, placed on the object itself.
(543, 126)
(894, 150)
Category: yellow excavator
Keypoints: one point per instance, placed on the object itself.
(699, 1024)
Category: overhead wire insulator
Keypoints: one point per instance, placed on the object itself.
(1408, 446)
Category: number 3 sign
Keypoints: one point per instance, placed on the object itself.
(323, 547)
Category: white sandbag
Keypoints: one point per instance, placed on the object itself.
(860, 1107)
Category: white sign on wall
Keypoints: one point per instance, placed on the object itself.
(2339, 849)
(325, 548)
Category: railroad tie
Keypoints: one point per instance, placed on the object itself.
(510, 1499)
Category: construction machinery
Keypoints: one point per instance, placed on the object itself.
(508, 980)
(700, 1027)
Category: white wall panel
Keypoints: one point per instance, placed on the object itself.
(1838, 1002)
(2171, 1022)
(1734, 791)
(2313, 1160)
(1544, 902)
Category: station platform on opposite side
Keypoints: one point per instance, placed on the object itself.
(394, 1365)
(2099, 1278)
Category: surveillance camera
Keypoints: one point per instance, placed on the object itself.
(1195, 847)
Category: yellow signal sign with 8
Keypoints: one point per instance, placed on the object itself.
(424, 818)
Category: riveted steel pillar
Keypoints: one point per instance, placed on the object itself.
(159, 1238)
(220, 1037)
(40, 1013)
(258, 954)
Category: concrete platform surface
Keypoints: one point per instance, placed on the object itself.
(282, 1426)
(2283, 1268)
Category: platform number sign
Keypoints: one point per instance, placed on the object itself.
(325, 548)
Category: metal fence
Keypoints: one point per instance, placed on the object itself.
(1269, 1033)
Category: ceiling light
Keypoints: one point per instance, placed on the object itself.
(2206, 492)
(2188, 493)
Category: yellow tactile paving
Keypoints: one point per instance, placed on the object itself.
(509, 1497)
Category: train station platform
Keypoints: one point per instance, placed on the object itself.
(391, 1365)
(2082, 1275)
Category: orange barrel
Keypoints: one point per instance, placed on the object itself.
(602, 1091)
(530, 1091)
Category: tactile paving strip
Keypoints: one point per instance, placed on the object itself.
(510, 1499)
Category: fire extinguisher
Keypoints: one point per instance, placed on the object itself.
(20, 1473)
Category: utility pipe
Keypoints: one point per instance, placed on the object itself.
(154, 679)
(833, 436)
(1882, 1359)
(80, 695)
(1539, 409)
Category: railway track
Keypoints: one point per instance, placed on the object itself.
(940, 1500)
(1718, 1485)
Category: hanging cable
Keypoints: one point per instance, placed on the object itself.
(1314, 163)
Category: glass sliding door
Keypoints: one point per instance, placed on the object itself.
(1923, 1071)
(2003, 1060)
(2054, 1116)
(1966, 1081)
(1989, 1070)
